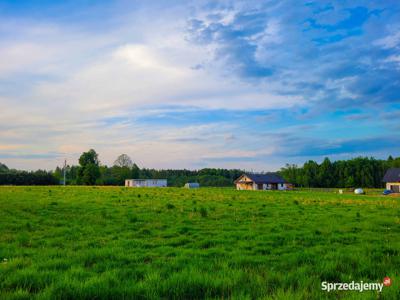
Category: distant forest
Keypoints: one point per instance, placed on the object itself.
(356, 172)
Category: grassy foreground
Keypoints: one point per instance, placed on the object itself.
(102, 242)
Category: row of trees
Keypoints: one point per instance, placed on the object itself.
(15, 177)
(90, 172)
(361, 171)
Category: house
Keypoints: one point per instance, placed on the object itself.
(392, 179)
(192, 185)
(268, 181)
(146, 182)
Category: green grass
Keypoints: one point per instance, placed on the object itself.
(102, 242)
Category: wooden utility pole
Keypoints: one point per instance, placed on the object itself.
(65, 171)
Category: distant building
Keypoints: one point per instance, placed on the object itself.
(146, 182)
(192, 185)
(392, 179)
(268, 181)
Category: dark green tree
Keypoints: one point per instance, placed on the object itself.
(349, 181)
(135, 171)
(310, 170)
(325, 174)
(89, 170)
(3, 168)
(120, 174)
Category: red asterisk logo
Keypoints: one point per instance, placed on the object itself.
(387, 281)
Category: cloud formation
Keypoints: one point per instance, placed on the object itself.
(244, 84)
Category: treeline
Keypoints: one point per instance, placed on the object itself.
(205, 177)
(357, 172)
(90, 172)
(116, 175)
(15, 177)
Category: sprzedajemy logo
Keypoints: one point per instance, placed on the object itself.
(360, 286)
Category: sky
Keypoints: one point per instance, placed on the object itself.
(193, 84)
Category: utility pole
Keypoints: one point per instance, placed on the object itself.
(65, 170)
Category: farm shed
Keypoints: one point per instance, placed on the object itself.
(392, 179)
(146, 182)
(268, 181)
(192, 185)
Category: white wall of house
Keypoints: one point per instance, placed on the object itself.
(281, 186)
(394, 186)
(146, 182)
(192, 185)
(267, 186)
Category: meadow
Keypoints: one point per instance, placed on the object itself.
(126, 243)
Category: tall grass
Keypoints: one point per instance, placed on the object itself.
(119, 243)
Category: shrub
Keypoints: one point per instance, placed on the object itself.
(170, 206)
(203, 212)
(133, 218)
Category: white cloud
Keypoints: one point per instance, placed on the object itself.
(62, 82)
(80, 78)
(390, 41)
(393, 59)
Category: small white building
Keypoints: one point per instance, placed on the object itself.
(192, 185)
(146, 182)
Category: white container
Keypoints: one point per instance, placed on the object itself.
(359, 191)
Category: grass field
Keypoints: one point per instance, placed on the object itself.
(111, 242)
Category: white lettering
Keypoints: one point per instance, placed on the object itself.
(351, 286)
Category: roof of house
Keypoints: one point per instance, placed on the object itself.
(265, 178)
(392, 175)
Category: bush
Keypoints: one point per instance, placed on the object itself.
(133, 218)
(203, 212)
(170, 206)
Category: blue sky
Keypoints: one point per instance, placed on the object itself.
(193, 84)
